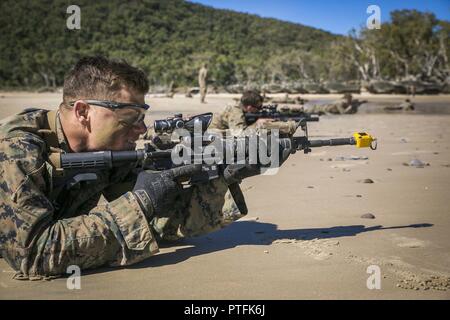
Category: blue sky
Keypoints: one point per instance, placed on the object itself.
(335, 16)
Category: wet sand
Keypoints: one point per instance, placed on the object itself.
(304, 237)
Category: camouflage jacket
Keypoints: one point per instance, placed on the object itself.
(44, 228)
(233, 118)
(337, 107)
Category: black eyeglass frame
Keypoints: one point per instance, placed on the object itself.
(113, 104)
(117, 106)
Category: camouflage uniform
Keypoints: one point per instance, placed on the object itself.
(337, 107)
(286, 100)
(44, 228)
(407, 105)
(202, 74)
(404, 106)
(233, 119)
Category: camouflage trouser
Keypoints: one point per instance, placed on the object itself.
(332, 108)
(202, 93)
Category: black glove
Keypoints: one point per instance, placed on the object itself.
(156, 191)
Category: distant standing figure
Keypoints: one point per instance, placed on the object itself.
(412, 90)
(202, 74)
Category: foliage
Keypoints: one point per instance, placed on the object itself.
(170, 39)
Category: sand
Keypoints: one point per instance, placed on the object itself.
(304, 236)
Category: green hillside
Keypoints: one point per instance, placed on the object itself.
(168, 38)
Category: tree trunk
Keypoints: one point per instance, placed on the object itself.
(443, 51)
(53, 79)
(45, 77)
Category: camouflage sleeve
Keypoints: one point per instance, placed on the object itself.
(284, 127)
(236, 118)
(216, 122)
(37, 244)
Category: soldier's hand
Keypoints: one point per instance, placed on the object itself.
(158, 190)
(262, 121)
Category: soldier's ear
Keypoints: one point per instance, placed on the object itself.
(81, 111)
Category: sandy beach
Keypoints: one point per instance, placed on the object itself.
(304, 237)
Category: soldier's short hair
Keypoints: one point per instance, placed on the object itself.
(101, 78)
(251, 98)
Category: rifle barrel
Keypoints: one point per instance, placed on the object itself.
(111, 159)
(332, 142)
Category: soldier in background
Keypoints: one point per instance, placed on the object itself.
(202, 75)
(406, 105)
(345, 105)
(286, 100)
(233, 117)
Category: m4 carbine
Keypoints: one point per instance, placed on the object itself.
(149, 158)
(283, 114)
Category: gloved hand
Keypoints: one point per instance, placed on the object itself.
(156, 191)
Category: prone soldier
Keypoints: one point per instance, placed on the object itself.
(48, 222)
(406, 105)
(233, 117)
(345, 105)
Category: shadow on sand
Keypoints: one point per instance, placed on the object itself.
(252, 233)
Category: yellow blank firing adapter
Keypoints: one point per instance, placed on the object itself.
(365, 140)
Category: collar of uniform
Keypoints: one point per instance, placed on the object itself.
(63, 144)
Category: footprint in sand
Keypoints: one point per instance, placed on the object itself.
(405, 242)
(318, 249)
(407, 276)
